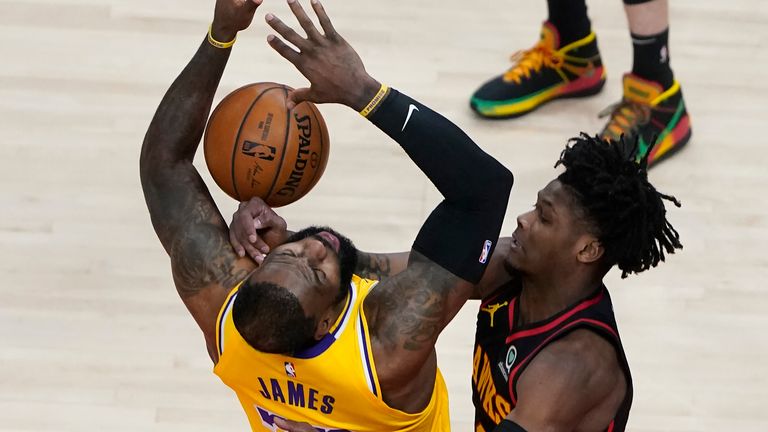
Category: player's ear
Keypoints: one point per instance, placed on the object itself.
(323, 326)
(590, 250)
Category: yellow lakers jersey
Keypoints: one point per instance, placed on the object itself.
(332, 385)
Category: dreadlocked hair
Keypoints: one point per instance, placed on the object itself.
(618, 202)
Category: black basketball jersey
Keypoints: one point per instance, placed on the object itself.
(504, 349)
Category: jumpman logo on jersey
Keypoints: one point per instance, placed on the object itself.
(491, 309)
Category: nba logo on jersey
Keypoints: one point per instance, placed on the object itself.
(290, 370)
(485, 252)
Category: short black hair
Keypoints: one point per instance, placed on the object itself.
(619, 203)
(270, 318)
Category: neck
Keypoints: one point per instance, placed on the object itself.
(338, 309)
(544, 297)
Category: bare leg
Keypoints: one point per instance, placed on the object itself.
(648, 18)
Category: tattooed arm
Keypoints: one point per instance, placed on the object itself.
(380, 266)
(405, 315)
(183, 213)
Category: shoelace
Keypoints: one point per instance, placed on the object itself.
(626, 116)
(533, 59)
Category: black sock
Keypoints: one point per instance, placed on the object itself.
(651, 58)
(570, 18)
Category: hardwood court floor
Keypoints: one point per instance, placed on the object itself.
(92, 335)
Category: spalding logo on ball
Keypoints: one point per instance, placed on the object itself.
(255, 147)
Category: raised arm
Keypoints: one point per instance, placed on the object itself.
(407, 312)
(183, 213)
(452, 250)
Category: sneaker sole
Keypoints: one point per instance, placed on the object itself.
(674, 150)
(581, 92)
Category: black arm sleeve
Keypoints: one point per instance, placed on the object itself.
(461, 232)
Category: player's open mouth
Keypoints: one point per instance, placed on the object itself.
(331, 239)
(515, 243)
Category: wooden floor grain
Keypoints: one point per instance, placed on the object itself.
(92, 335)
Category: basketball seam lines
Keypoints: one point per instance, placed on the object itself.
(285, 143)
(312, 109)
(237, 138)
(208, 130)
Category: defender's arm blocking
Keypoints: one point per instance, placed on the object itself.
(454, 246)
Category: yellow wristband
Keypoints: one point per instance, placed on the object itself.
(375, 101)
(217, 44)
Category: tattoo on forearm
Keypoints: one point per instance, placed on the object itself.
(201, 257)
(194, 234)
(373, 266)
(413, 308)
(422, 322)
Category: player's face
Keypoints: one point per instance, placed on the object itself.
(547, 238)
(314, 264)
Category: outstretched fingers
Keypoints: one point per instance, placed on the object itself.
(331, 65)
(284, 50)
(325, 22)
(304, 20)
(286, 32)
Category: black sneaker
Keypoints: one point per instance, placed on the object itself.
(646, 114)
(541, 74)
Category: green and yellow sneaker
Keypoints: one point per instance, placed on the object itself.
(541, 74)
(648, 114)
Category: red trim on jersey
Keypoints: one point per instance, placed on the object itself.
(513, 374)
(610, 426)
(545, 328)
(512, 313)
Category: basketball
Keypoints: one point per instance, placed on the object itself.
(255, 147)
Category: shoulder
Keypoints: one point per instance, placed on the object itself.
(567, 380)
(582, 357)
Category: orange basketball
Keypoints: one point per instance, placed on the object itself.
(255, 146)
